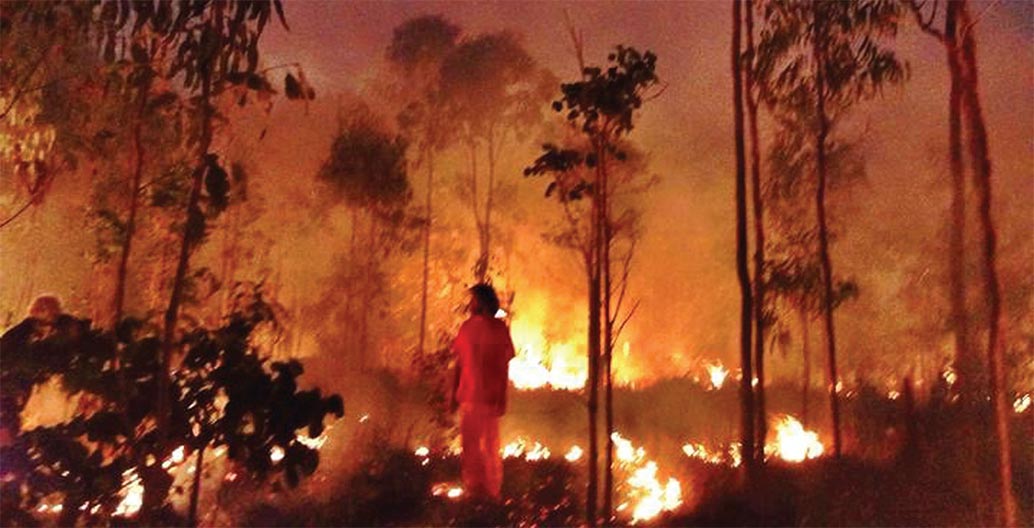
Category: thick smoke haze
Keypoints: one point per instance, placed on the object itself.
(890, 228)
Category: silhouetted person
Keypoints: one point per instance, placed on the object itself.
(483, 350)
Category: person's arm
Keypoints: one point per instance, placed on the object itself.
(454, 404)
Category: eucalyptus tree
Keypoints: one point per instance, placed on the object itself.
(824, 56)
(600, 107)
(417, 50)
(964, 106)
(758, 210)
(495, 94)
(366, 168)
(748, 419)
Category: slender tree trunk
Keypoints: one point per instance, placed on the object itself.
(743, 273)
(127, 246)
(761, 425)
(824, 257)
(134, 201)
(981, 166)
(355, 284)
(806, 357)
(231, 243)
(480, 266)
(608, 337)
(594, 358)
(172, 313)
(195, 491)
(967, 364)
(370, 269)
(429, 159)
(156, 482)
(486, 235)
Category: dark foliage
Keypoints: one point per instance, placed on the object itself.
(224, 393)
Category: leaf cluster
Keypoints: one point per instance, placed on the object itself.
(367, 165)
(604, 101)
(836, 45)
(602, 106)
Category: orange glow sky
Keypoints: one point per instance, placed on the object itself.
(685, 273)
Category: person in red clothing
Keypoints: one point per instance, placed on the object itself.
(482, 351)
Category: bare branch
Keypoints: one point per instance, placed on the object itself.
(626, 267)
(626, 319)
(22, 90)
(973, 23)
(916, 6)
(18, 213)
(577, 41)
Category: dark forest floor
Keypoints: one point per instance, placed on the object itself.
(942, 477)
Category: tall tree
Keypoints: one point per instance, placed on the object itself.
(826, 55)
(980, 160)
(757, 202)
(964, 100)
(601, 107)
(495, 94)
(417, 50)
(747, 408)
(367, 169)
(967, 364)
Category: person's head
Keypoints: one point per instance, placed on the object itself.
(46, 308)
(483, 300)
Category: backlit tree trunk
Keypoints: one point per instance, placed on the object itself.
(761, 425)
(743, 273)
(820, 208)
(429, 159)
(193, 208)
(608, 336)
(806, 359)
(981, 166)
(134, 201)
(967, 364)
(592, 490)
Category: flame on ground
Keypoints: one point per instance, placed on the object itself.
(644, 492)
(530, 369)
(520, 448)
(730, 456)
(573, 454)
(448, 489)
(717, 374)
(1021, 404)
(132, 494)
(794, 443)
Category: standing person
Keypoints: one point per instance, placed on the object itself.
(482, 352)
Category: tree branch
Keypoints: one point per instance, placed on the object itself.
(18, 213)
(628, 317)
(19, 92)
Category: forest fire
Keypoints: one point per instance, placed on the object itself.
(534, 369)
(645, 495)
(699, 224)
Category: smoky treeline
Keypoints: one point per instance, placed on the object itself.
(826, 202)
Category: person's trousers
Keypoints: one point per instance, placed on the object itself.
(482, 463)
